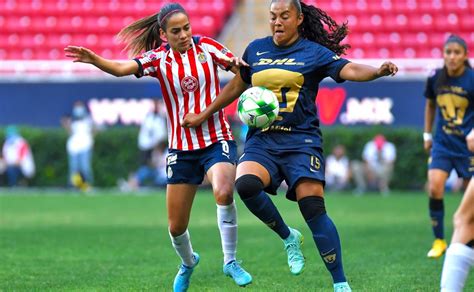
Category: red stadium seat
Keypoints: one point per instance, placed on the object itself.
(378, 28)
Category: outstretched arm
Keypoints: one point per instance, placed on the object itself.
(84, 55)
(361, 72)
(231, 91)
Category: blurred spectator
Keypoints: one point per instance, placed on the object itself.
(154, 172)
(17, 157)
(376, 170)
(338, 171)
(80, 145)
(152, 132)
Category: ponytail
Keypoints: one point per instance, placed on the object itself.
(144, 34)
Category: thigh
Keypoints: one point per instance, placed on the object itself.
(179, 200)
(222, 176)
(308, 187)
(466, 207)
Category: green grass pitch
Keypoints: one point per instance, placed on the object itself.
(105, 242)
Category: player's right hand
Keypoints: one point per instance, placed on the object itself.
(192, 120)
(80, 54)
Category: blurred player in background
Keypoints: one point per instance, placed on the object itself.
(460, 254)
(187, 71)
(450, 94)
(292, 62)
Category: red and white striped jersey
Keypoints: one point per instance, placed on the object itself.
(189, 83)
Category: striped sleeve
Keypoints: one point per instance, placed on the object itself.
(218, 52)
(148, 63)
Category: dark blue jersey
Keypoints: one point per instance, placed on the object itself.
(455, 111)
(293, 73)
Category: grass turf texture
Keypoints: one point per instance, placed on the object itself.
(65, 242)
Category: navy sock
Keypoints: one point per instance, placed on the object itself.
(437, 217)
(262, 207)
(324, 234)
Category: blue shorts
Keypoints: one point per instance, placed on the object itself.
(464, 166)
(190, 167)
(288, 165)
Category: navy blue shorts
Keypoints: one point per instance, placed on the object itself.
(464, 166)
(288, 165)
(190, 167)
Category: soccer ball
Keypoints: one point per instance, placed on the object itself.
(258, 107)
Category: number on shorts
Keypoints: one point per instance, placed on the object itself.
(225, 146)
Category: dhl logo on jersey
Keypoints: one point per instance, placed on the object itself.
(285, 61)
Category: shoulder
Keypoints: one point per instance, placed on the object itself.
(154, 54)
(434, 74)
(258, 43)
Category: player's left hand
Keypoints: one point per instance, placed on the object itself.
(387, 68)
(191, 120)
(234, 61)
(470, 140)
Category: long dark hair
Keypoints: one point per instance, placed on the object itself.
(443, 77)
(144, 34)
(313, 29)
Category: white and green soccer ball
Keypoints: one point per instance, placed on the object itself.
(258, 107)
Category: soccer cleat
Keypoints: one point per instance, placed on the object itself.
(181, 281)
(236, 272)
(438, 248)
(342, 287)
(293, 249)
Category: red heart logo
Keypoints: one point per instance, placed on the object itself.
(329, 102)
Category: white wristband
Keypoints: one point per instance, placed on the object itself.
(427, 137)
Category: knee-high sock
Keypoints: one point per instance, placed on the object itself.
(182, 246)
(329, 245)
(324, 234)
(437, 217)
(227, 222)
(457, 263)
(262, 207)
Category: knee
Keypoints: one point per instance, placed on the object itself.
(248, 185)
(177, 229)
(224, 194)
(312, 207)
(435, 190)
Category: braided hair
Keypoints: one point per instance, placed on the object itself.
(313, 27)
(443, 77)
(144, 34)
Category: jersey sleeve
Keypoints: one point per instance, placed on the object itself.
(218, 52)
(331, 63)
(244, 70)
(429, 88)
(148, 63)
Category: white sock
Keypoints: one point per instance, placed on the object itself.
(459, 258)
(183, 247)
(227, 222)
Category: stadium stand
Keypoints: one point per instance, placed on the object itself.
(33, 33)
(39, 29)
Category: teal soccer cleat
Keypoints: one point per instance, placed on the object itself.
(293, 249)
(236, 272)
(342, 287)
(181, 281)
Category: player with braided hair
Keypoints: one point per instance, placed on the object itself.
(292, 62)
